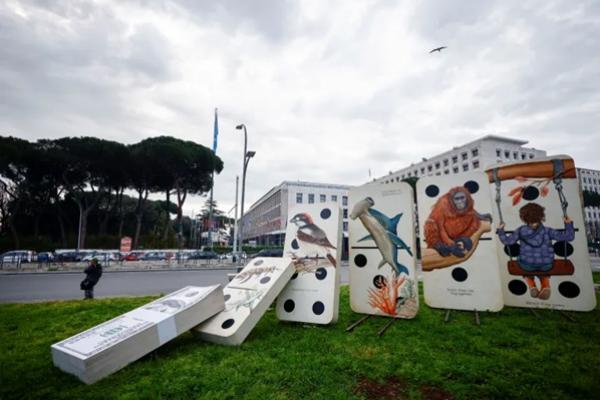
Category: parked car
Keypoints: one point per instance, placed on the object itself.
(25, 256)
(133, 256)
(204, 255)
(234, 256)
(45, 256)
(153, 256)
(269, 253)
(69, 256)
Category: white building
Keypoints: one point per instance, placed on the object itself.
(589, 180)
(265, 222)
(475, 155)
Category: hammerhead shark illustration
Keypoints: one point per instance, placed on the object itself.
(382, 230)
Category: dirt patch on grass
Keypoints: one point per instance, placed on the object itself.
(392, 388)
(433, 393)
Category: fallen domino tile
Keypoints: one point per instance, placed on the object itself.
(247, 298)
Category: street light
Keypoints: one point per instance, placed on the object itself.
(247, 156)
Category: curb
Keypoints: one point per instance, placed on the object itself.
(118, 271)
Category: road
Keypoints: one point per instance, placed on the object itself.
(65, 286)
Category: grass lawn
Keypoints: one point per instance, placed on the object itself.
(596, 277)
(511, 355)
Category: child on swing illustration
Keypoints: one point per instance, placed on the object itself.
(536, 252)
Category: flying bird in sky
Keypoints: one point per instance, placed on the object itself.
(439, 49)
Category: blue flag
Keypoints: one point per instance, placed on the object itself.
(216, 133)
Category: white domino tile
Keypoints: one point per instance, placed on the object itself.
(469, 280)
(531, 182)
(247, 298)
(383, 278)
(313, 239)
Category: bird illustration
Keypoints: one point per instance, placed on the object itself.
(310, 234)
(438, 49)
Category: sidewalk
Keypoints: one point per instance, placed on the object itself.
(131, 266)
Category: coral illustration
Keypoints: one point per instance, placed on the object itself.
(385, 296)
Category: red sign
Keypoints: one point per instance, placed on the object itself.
(125, 244)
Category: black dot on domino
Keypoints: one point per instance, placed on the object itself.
(265, 279)
(318, 308)
(432, 190)
(295, 275)
(360, 260)
(325, 213)
(513, 250)
(379, 281)
(569, 290)
(472, 187)
(517, 287)
(258, 262)
(459, 274)
(295, 244)
(289, 305)
(321, 273)
(228, 323)
(226, 297)
(531, 193)
(563, 249)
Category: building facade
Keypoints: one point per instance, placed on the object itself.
(476, 155)
(265, 221)
(589, 180)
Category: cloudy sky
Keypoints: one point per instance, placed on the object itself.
(327, 89)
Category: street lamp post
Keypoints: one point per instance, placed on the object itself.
(247, 156)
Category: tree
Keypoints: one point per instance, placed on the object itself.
(15, 159)
(87, 170)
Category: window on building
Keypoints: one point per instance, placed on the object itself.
(446, 172)
(446, 162)
(334, 197)
(515, 155)
(454, 159)
(409, 174)
(430, 168)
(322, 198)
(530, 156)
(311, 198)
(465, 167)
(523, 156)
(464, 155)
(438, 173)
(455, 170)
(423, 170)
(584, 179)
(437, 165)
(498, 153)
(345, 213)
(344, 200)
(298, 198)
(506, 154)
(416, 172)
(397, 179)
(475, 152)
(475, 164)
(345, 226)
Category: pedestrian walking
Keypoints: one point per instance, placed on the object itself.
(93, 272)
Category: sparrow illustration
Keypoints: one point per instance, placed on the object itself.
(311, 234)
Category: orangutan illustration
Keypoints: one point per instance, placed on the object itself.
(453, 224)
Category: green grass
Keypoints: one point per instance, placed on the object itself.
(511, 355)
(596, 277)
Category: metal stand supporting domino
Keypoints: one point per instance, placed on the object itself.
(386, 326)
(351, 327)
(477, 321)
(447, 316)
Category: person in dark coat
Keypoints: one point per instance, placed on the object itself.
(93, 272)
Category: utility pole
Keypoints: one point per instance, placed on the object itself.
(235, 221)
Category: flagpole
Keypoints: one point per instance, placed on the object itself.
(210, 206)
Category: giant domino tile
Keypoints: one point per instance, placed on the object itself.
(312, 295)
(570, 289)
(247, 298)
(387, 214)
(469, 283)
